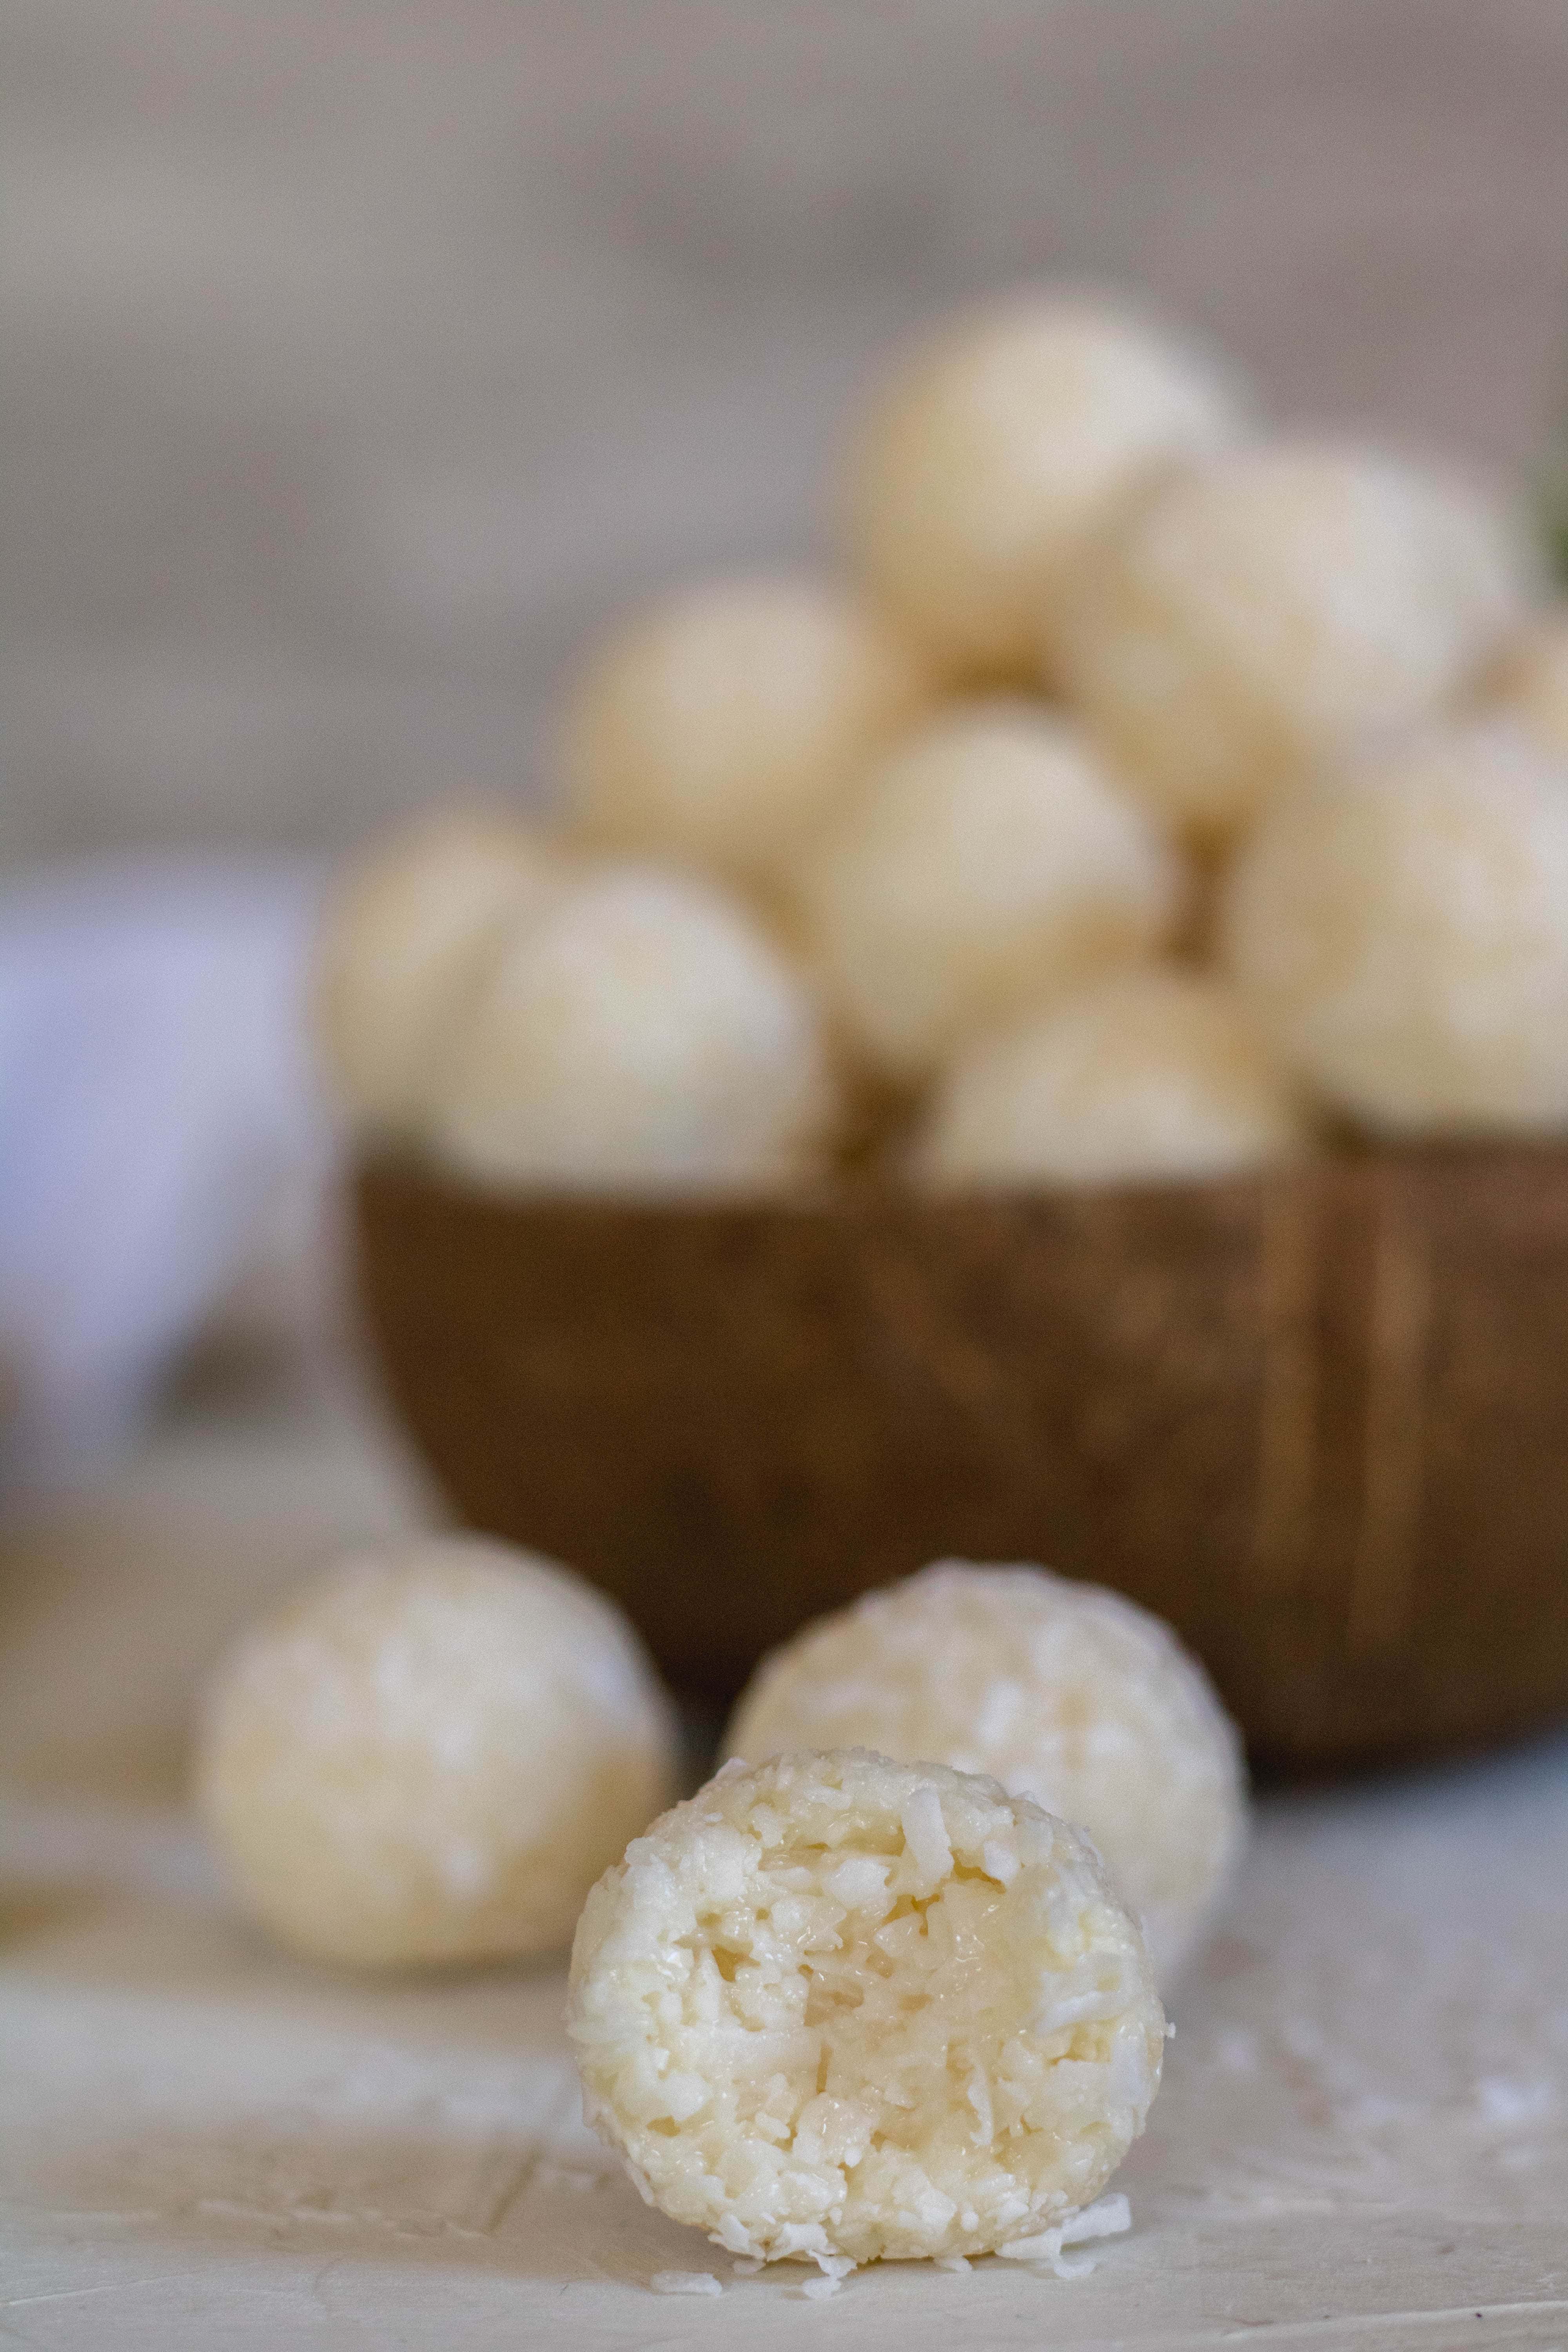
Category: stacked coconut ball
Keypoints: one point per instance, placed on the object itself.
(1149, 790)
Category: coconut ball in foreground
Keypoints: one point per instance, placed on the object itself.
(1403, 932)
(644, 1036)
(722, 726)
(1063, 1693)
(987, 861)
(1155, 1074)
(1532, 680)
(1259, 614)
(842, 2009)
(991, 452)
(430, 1755)
(405, 941)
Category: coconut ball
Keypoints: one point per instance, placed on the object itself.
(1152, 1073)
(1253, 617)
(722, 726)
(430, 1755)
(405, 944)
(841, 2008)
(1532, 680)
(1063, 1693)
(992, 452)
(985, 862)
(643, 1034)
(1403, 931)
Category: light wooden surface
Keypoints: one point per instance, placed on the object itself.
(1362, 2139)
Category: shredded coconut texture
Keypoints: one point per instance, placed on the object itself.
(722, 725)
(644, 1036)
(986, 863)
(995, 448)
(1063, 1692)
(1154, 1073)
(1403, 932)
(838, 2009)
(1260, 614)
(406, 938)
(431, 1755)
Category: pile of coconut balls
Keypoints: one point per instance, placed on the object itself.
(1149, 797)
(887, 1986)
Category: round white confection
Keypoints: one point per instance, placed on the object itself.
(1403, 931)
(431, 1755)
(1532, 680)
(1255, 616)
(982, 864)
(841, 2008)
(1063, 1693)
(994, 451)
(403, 947)
(1154, 1073)
(722, 726)
(643, 1035)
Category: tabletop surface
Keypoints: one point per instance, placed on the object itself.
(1362, 2139)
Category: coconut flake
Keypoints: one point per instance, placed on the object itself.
(685, 2283)
(925, 1833)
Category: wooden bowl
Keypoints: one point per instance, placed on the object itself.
(1318, 1421)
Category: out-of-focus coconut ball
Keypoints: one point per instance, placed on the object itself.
(994, 450)
(643, 1034)
(1401, 930)
(1062, 1691)
(404, 945)
(722, 726)
(1154, 1073)
(431, 1755)
(1532, 680)
(1252, 618)
(986, 861)
(840, 2009)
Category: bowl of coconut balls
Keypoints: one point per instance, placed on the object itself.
(1050, 1042)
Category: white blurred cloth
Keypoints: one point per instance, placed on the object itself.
(159, 1129)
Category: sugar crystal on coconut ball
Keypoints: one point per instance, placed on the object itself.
(1255, 616)
(644, 1035)
(993, 448)
(986, 861)
(1154, 1073)
(430, 1755)
(1532, 680)
(1401, 930)
(839, 2009)
(405, 941)
(1063, 1693)
(722, 726)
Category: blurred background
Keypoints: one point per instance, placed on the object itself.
(358, 362)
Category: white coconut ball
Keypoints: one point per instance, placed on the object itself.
(722, 726)
(1532, 680)
(1403, 932)
(1253, 618)
(987, 861)
(643, 1035)
(404, 942)
(838, 2009)
(994, 449)
(1154, 1073)
(430, 1755)
(1063, 1692)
